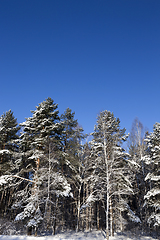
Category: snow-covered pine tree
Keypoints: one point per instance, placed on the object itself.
(109, 174)
(8, 157)
(152, 159)
(41, 147)
(8, 140)
(72, 165)
(54, 188)
(69, 140)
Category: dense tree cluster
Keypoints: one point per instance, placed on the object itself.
(52, 178)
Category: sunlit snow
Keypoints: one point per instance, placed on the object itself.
(97, 235)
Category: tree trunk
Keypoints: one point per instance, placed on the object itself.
(78, 209)
(121, 221)
(83, 210)
(87, 210)
(29, 231)
(55, 216)
(35, 234)
(90, 218)
(107, 183)
(2, 196)
(98, 216)
(111, 218)
(107, 218)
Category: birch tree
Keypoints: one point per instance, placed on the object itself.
(110, 175)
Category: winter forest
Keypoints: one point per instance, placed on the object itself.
(53, 177)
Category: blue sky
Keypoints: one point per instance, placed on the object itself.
(88, 55)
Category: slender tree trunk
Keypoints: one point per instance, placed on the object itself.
(78, 216)
(63, 212)
(2, 196)
(121, 221)
(74, 210)
(55, 216)
(87, 210)
(78, 209)
(107, 218)
(98, 216)
(90, 218)
(107, 183)
(48, 189)
(35, 234)
(111, 218)
(83, 210)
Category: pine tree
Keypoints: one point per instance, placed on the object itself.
(152, 159)
(8, 157)
(69, 140)
(72, 166)
(8, 140)
(40, 139)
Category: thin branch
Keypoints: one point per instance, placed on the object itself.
(23, 178)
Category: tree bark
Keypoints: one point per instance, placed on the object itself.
(98, 216)
(111, 218)
(107, 183)
(55, 217)
(87, 210)
(78, 209)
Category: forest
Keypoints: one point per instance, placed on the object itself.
(53, 177)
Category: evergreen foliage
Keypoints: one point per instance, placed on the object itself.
(41, 141)
(9, 159)
(50, 178)
(152, 159)
(8, 141)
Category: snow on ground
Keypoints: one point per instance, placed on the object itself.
(95, 235)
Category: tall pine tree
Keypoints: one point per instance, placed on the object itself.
(8, 157)
(41, 152)
(152, 159)
(72, 167)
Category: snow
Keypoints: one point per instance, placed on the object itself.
(153, 192)
(152, 177)
(154, 218)
(132, 216)
(94, 235)
(5, 151)
(5, 179)
(28, 211)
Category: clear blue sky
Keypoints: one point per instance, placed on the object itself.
(88, 55)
